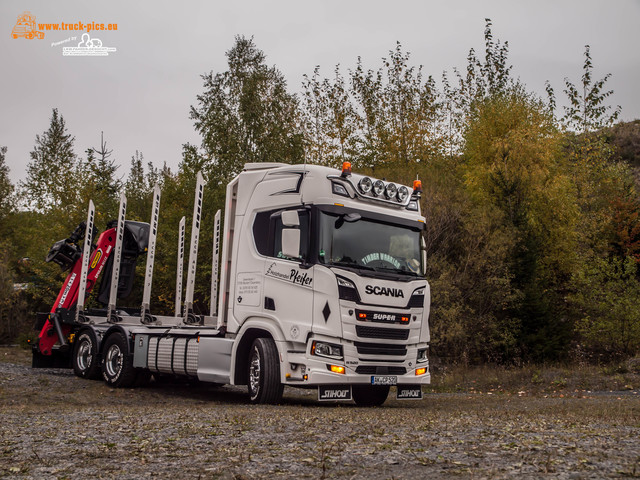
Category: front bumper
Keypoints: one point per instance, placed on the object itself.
(301, 368)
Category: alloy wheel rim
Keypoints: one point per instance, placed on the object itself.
(254, 373)
(113, 362)
(84, 355)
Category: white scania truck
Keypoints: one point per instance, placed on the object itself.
(321, 286)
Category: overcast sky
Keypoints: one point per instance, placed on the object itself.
(140, 94)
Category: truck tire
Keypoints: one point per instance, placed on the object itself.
(263, 378)
(117, 365)
(369, 395)
(85, 356)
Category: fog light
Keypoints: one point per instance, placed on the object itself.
(337, 369)
(421, 371)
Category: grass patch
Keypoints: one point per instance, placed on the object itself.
(534, 378)
(17, 355)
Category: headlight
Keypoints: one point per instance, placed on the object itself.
(327, 350)
(365, 185)
(391, 190)
(423, 355)
(403, 193)
(378, 188)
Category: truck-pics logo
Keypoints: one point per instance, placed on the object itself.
(88, 47)
(26, 27)
(386, 291)
(293, 275)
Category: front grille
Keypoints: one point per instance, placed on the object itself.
(380, 370)
(388, 333)
(380, 349)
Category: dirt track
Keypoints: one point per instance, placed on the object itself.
(55, 425)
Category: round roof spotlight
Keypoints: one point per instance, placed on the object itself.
(391, 190)
(378, 188)
(365, 185)
(403, 193)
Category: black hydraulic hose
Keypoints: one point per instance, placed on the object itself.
(56, 324)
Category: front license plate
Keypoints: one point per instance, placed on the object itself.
(384, 380)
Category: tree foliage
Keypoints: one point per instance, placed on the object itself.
(587, 110)
(52, 171)
(246, 114)
(532, 222)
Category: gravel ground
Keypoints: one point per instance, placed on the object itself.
(55, 425)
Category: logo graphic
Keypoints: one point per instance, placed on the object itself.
(26, 27)
(88, 47)
(293, 276)
(96, 258)
(334, 392)
(386, 291)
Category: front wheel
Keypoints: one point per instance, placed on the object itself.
(85, 356)
(117, 365)
(369, 395)
(264, 372)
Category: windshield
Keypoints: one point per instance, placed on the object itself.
(351, 241)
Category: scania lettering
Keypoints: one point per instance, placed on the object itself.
(319, 283)
(389, 292)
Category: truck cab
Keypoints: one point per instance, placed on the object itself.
(330, 264)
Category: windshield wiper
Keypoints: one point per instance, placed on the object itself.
(399, 271)
(352, 265)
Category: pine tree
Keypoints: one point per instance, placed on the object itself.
(246, 114)
(7, 200)
(52, 173)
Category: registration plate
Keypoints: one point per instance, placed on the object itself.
(384, 380)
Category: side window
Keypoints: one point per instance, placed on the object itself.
(267, 233)
(261, 232)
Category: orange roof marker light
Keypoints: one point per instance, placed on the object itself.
(346, 169)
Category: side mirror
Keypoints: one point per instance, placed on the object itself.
(290, 234)
(291, 242)
(290, 218)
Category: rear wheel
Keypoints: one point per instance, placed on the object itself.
(85, 356)
(117, 365)
(264, 372)
(369, 395)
